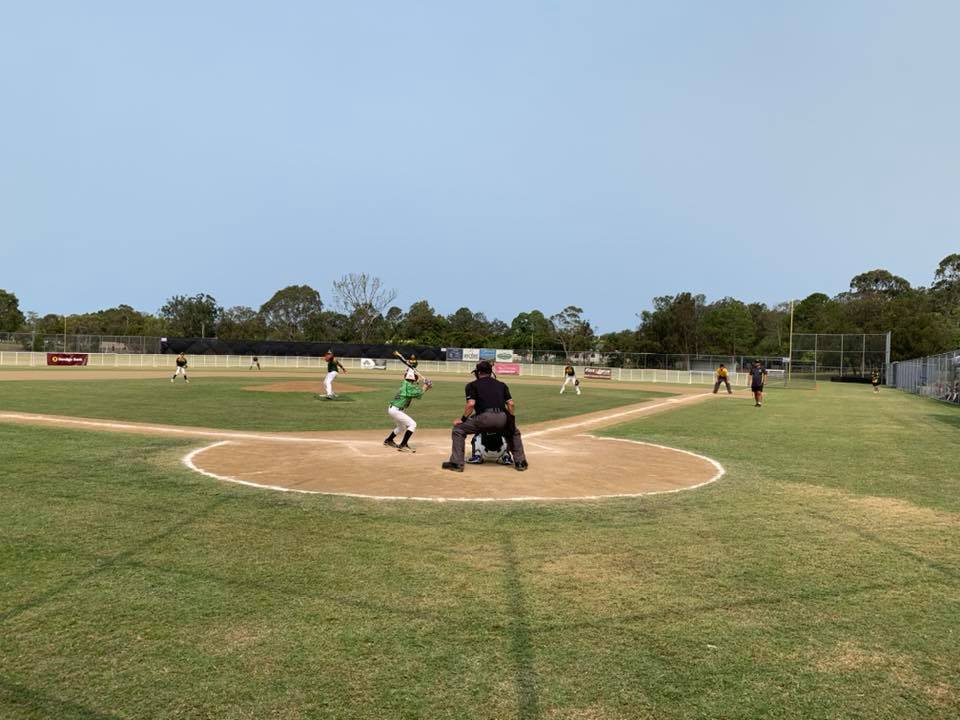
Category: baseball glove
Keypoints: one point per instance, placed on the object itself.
(427, 383)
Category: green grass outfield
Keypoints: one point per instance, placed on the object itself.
(225, 402)
(820, 578)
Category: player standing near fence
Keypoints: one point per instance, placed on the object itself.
(758, 377)
(410, 390)
(570, 379)
(181, 368)
(875, 380)
(255, 361)
(722, 377)
(333, 369)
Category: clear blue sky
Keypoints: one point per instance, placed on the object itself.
(505, 156)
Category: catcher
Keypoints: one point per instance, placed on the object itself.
(410, 390)
(490, 447)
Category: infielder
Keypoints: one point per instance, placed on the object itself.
(181, 367)
(722, 378)
(333, 369)
(409, 391)
(570, 379)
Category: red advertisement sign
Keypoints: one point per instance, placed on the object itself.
(598, 373)
(67, 359)
(507, 368)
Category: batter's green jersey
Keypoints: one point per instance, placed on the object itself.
(408, 392)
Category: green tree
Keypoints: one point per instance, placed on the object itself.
(11, 319)
(532, 331)
(241, 323)
(289, 312)
(880, 283)
(727, 327)
(363, 299)
(191, 316)
(466, 329)
(673, 326)
(423, 326)
(571, 330)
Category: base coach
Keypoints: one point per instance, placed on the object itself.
(489, 409)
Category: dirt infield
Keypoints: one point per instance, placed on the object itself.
(565, 463)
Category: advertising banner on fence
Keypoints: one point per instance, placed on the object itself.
(454, 354)
(371, 364)
(471, 355)
(504, 355)
(598, 373)
(507, 368)
(67, 359)
(488, 354)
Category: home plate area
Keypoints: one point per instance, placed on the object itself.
(564, 465)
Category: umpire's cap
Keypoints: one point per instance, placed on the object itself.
(483, 368)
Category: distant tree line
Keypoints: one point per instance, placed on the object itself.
(924, 320)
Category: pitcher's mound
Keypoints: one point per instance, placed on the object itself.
(305, 386)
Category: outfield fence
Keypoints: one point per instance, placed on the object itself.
(155, 361)
(934, 376)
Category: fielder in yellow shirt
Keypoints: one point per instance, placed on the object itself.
(722, 377)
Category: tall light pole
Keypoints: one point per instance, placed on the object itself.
(790, 347)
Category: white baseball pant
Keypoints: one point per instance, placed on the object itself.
(404, 423)
(328, 381)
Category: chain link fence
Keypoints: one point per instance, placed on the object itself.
(934, 376)
(841, 356)
(61, 343)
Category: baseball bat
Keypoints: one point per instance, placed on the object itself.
(402, 359)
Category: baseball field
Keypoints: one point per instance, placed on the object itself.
(236, 548)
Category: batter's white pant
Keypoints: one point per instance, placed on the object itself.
(570, 380)
(328, 381)
(403, 421)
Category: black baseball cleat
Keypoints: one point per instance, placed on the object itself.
(452, 467)
(406, 448)
(391, 444)
(520, 466)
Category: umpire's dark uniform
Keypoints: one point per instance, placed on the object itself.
(489, 399)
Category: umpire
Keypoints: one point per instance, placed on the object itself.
(489, 409)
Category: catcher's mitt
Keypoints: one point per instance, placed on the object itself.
(427, 383)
